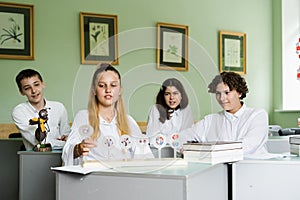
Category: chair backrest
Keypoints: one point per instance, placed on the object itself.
(6, 129)
(143, 126)
(15, 135)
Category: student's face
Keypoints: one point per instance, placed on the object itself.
(172, 97)
(229, 100)
(32, 88)
(108, 88)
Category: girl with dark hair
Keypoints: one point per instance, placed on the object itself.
(171, 113)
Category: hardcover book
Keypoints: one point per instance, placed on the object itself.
(295, 149)
(294, 140)
(212, 146)
(295, 146)
(214, 157)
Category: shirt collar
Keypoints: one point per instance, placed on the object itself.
(113, 121)
(177, 111)
(235, 115)
(33, 108)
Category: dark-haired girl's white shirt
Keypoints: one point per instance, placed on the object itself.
(101, 152)
(181, 119)
(248, 125)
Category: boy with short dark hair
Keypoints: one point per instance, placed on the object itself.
(31, 85)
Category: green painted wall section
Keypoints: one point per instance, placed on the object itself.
(57, 52)
(285, 119)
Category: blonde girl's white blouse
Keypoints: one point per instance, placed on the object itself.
(102, 152)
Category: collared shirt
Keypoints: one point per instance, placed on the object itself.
(57, 121)
(181, 119)
(102, 151)
(248, 125)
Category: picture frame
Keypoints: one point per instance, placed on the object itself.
(16, 31)
(98, 38)
(172, 46)
(232, 53)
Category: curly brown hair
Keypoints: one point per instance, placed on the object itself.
(233, 80)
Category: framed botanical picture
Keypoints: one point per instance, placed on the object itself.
(232, 54)
(16, 31)
(172, 46)
(98, 37)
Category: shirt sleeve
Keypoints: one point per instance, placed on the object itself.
(73, 139)
(140, 150)
(27, 131)
(197, 132)
(58, 123)
(153, 124)
(254, 141)
(64, 122)
(187, 119)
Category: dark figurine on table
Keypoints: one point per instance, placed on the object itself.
(41, 131)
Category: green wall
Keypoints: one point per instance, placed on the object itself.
(57, 51)
(284, 118)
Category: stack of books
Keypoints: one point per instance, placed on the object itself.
(294, 145)
(213, 152)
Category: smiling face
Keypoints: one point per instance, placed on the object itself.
(32, 88)
(172, 97)
(108, 88)
(229, 100)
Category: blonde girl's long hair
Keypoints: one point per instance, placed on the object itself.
(93, 104)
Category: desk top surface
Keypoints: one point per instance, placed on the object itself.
(31, 152)
(279, 138)
(283, 159)
(11, 139)
(170, 171)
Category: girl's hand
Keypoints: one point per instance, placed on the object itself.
(63, 138)
(85, 146)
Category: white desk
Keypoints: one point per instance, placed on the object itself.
(37, 181)
(191, 182)
(274, 179)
